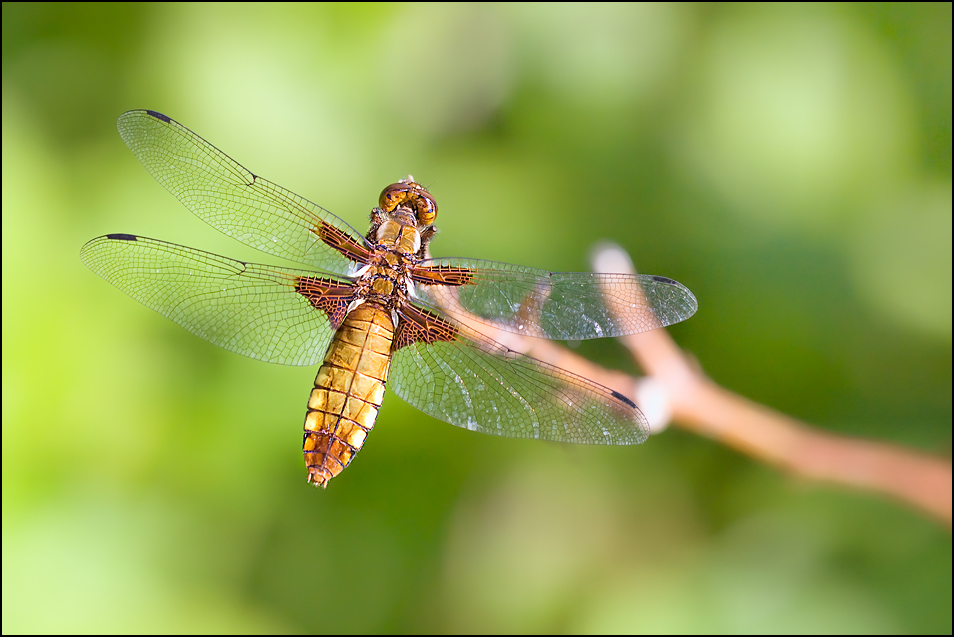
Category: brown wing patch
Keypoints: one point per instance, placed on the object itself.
(442, 275)
(420, 326)
(327, 295)
(342, 242)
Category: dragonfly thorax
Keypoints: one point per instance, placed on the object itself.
(395, 233)
(385, 279)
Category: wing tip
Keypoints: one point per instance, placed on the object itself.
(689, 299)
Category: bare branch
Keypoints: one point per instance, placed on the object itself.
(698, 404)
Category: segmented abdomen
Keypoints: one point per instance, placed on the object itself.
(348, 391)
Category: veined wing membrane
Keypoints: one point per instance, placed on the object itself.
(456, 374)
(246, 308)
(233, 200)
(554, 305)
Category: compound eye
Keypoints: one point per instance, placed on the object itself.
(392, 197)
(426, 208)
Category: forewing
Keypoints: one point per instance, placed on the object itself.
(267, 313)
(457, 375)
(555, 305)
(237, 202)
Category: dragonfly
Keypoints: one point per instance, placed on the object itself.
(376, 310)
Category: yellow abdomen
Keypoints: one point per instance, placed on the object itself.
(348, 391)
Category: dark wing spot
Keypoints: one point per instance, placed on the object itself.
(623, 398)
(664, 279)
(122, 237)
(160, 116)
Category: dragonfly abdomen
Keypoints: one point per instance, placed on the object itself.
(348, 391)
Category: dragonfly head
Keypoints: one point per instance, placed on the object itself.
(409, 194)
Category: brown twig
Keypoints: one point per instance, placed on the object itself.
(698, 404)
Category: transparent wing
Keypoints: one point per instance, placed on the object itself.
(254, 310)
(457, 375)
(555, 305)
(237, 202)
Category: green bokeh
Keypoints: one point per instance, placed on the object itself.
(790, 164)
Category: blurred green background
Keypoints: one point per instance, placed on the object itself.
(790, 164)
